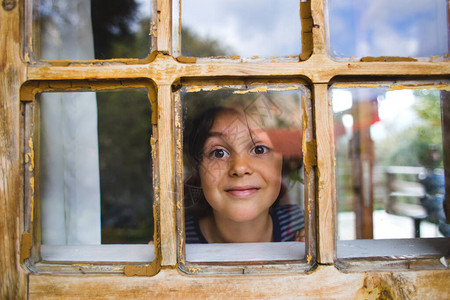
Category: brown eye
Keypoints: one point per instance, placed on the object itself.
(260, 150)
(219, 153)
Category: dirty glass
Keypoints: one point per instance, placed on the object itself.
(245, 143)
(95, 168)
(86, 30)
(248, 29)
(390, 160)
(407, 28)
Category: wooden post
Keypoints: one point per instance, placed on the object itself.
(326, 175)
(13, 282)
(165, 173)
(362, 165)
(164, 26)
(445, 116)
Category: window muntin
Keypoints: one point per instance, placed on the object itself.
(366, 70)
(281, 108)
(388, 149)
(241, 29)
(87, 30)
(403, 28)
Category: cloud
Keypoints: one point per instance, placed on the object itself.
(252, 28)
(388, 28)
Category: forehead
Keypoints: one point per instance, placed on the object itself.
(230, 120)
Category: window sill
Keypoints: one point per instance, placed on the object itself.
(98, 253)
(245, 252)
(393, 254)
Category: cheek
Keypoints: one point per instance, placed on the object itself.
(273, 172)
(210, 174)
(274, 168)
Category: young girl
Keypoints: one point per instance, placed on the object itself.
(238, 173)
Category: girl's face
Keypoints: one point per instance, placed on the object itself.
(240, 172)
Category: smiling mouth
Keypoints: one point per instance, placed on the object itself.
(242, 191)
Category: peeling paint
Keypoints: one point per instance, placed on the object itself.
(308, 147)
(195, 89)
(146, 270)
(265, 89)
(439, 86)
(307, 35)
(186, 60)
(30, 155)
(387, 59)
(193, 270)
(25, 245)
(394, 87)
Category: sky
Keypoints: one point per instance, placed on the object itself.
(415, 28)
(357, 28)
(250, 28)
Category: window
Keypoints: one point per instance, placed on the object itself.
(390, 176)
(321, 70)
(92, 178)
(271, 115)
(240, 30)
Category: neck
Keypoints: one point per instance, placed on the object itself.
(222, 230)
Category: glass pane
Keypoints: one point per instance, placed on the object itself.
(95, 168)
(240, 28)
(84, 30)
(405, 28)
(390, 169)
(243, 164)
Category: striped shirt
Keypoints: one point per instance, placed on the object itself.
(287, 221)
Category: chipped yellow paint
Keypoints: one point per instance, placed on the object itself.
(195, 89)
(440, 86)
(308, 258)
(186, 60)
(153, 31)
(25, 245)
(308, 147)
(31, 154)
(152, 142)
(265, 89)
(387, 59)
(193, 270)
(345, 85)
(32, 199)
(394, 87)
(82, 265)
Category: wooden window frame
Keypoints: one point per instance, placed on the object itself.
(166, 71)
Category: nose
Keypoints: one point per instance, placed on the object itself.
(240, 165)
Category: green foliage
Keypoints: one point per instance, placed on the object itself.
(124, 125)
(193, 45)
(112, 21)
(421, 143)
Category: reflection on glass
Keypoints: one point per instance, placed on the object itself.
(84, 30)
(243, 164)
(389, 171)
(95, 168)
(405, 28)
(247, 29)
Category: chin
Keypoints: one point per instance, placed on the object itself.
(244, 215)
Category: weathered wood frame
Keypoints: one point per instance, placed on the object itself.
(166, 71)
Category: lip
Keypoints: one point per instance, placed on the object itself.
(242, 191)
